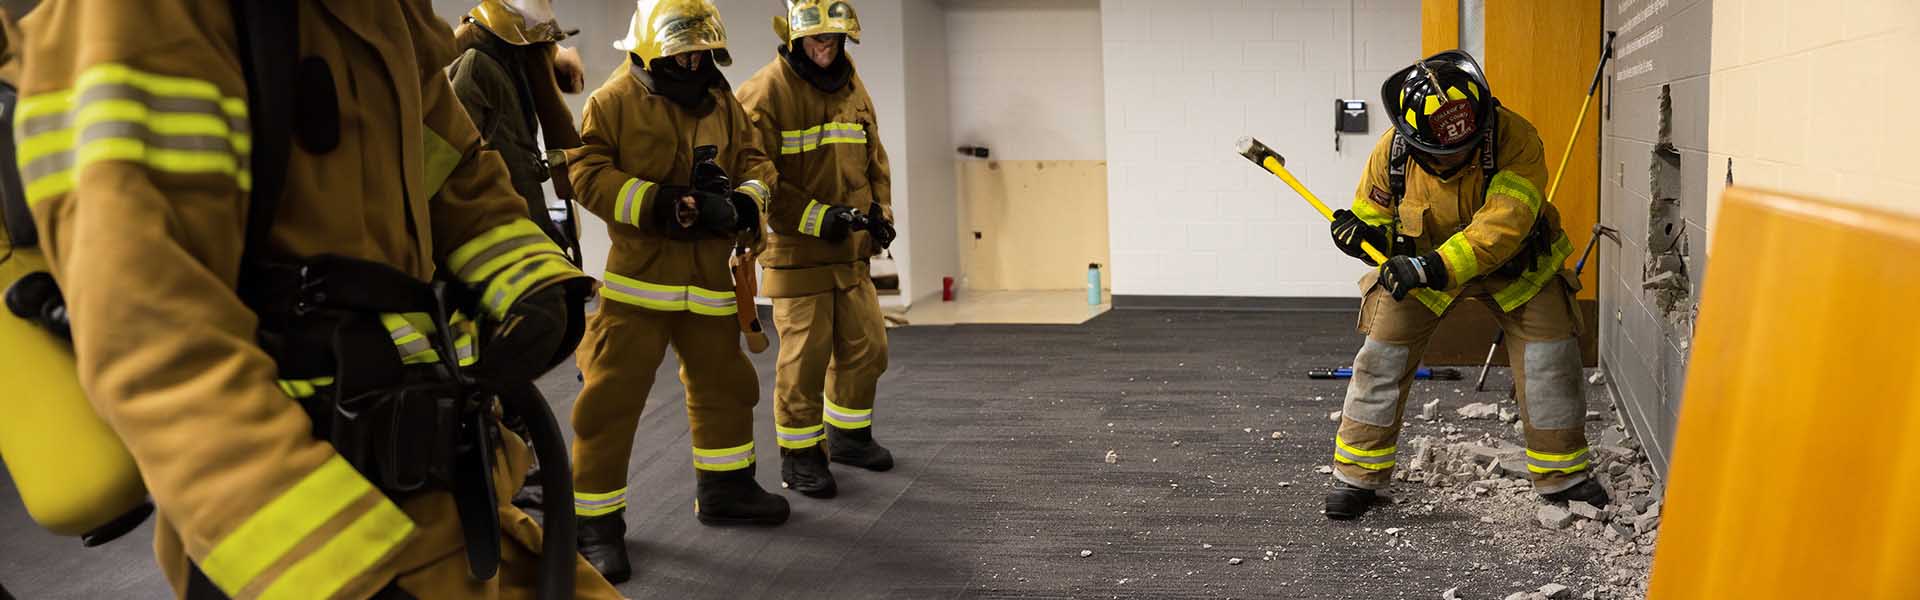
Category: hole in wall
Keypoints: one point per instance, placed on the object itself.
(1665, 274)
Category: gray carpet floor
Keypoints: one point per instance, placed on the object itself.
(1002, 489)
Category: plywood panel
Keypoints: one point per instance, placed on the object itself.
(1793, 399)
(1032, 225)
(1540, 60)
(1439, 26)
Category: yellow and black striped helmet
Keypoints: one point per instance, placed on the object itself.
(1439, 104)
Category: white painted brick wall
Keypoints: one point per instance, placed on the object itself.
(1025, 78)
(1183, 80)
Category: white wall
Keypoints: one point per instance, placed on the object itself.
(926, 160)
(1183, 80)
(1027, 79)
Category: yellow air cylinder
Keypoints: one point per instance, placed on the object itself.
(72, 472)
(1796, 467)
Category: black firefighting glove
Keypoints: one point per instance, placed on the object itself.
(749, 213)
(525, 343)
(718, 213)
(840, 221)
(879, 227)
(666, 208)
(1349, 232)
(1403, 274)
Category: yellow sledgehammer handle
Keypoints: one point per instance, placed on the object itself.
(1261, 155)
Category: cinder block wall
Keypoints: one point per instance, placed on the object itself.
(1185, 79)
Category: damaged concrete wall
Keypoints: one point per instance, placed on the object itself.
(1654, 171)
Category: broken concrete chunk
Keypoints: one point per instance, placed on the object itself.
(1086, 553)
(1234, 561)
(1621, 531)
(1515, 468)
(1555, 591)
(1478, 410)
(1324, 470)
(1652, 510)
(1333, 416)
(1452, 593)
(1641, 504)
(1588, 511)
(1507, 415)
(1594, 415)
(1430, 410)
(1597, 378)
(1554, 517)
(1646, 523)
(1276, 435)
(1113, 457)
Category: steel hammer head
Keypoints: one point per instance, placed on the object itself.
(1258, 152)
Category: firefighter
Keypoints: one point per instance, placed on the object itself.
(260, 397)
(668, 281)
(1466, 220)
(810, 104)
(510, 76)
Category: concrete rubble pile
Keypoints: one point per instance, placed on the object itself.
(1488, 476)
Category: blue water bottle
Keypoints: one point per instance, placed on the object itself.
(1093, 284)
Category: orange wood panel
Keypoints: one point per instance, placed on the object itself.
(1540, 58)
(1794, 473)
(1439, 26)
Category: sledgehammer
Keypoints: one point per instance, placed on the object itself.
(1261, 155)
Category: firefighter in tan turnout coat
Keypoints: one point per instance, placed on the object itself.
(668, 280)
(134, 146)
(831, 213)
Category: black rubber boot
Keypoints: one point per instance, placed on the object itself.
(1588, 491)
(805, 471)
(603, 542)
(734, 498)
(856, 447)
(1347, 502)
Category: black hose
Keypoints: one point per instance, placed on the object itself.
(558, 549)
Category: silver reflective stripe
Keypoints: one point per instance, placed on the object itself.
(1365, 460)
(801, 437)
(712, 302)
(675, 296)
(810, 222)
(1373, 394)
(622, 498)
(495, 251)
(1553, 384)
(722, 460)
(1557, 464)
(60, 161)
(847, 418)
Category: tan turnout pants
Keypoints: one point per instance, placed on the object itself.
(622, 349)
(833, 349)
(1543, 347)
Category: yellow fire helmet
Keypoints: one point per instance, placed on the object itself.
(518, 22)
(817, 17)
(669, 27)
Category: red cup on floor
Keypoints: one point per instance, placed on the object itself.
(946, 289)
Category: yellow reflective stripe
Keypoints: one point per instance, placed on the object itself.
(845, 418)
(796, 141)
(266, 536)
(351, 552)
(303, 388)
(1545, 462)
(509, 286)
(800, 437)
(668, 298)
(723, 459)
(1523, 289)
(1370, 213)
(1457, 254)
(756, 190)
(587, 504)
(136, 151)
(114, 112)
(630, 204)
(1550, 457)
(492, 251)
(812, 218)
(1435, 300)
(1505, 183)
(1373, 460)
(441, 158)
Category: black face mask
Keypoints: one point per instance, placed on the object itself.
(688, 88)
(830, 79)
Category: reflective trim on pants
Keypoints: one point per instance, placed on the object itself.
(724, 459)
(593, 505)
(796, 438)
(847, 418)
(1571, 462)
(1374, 460)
